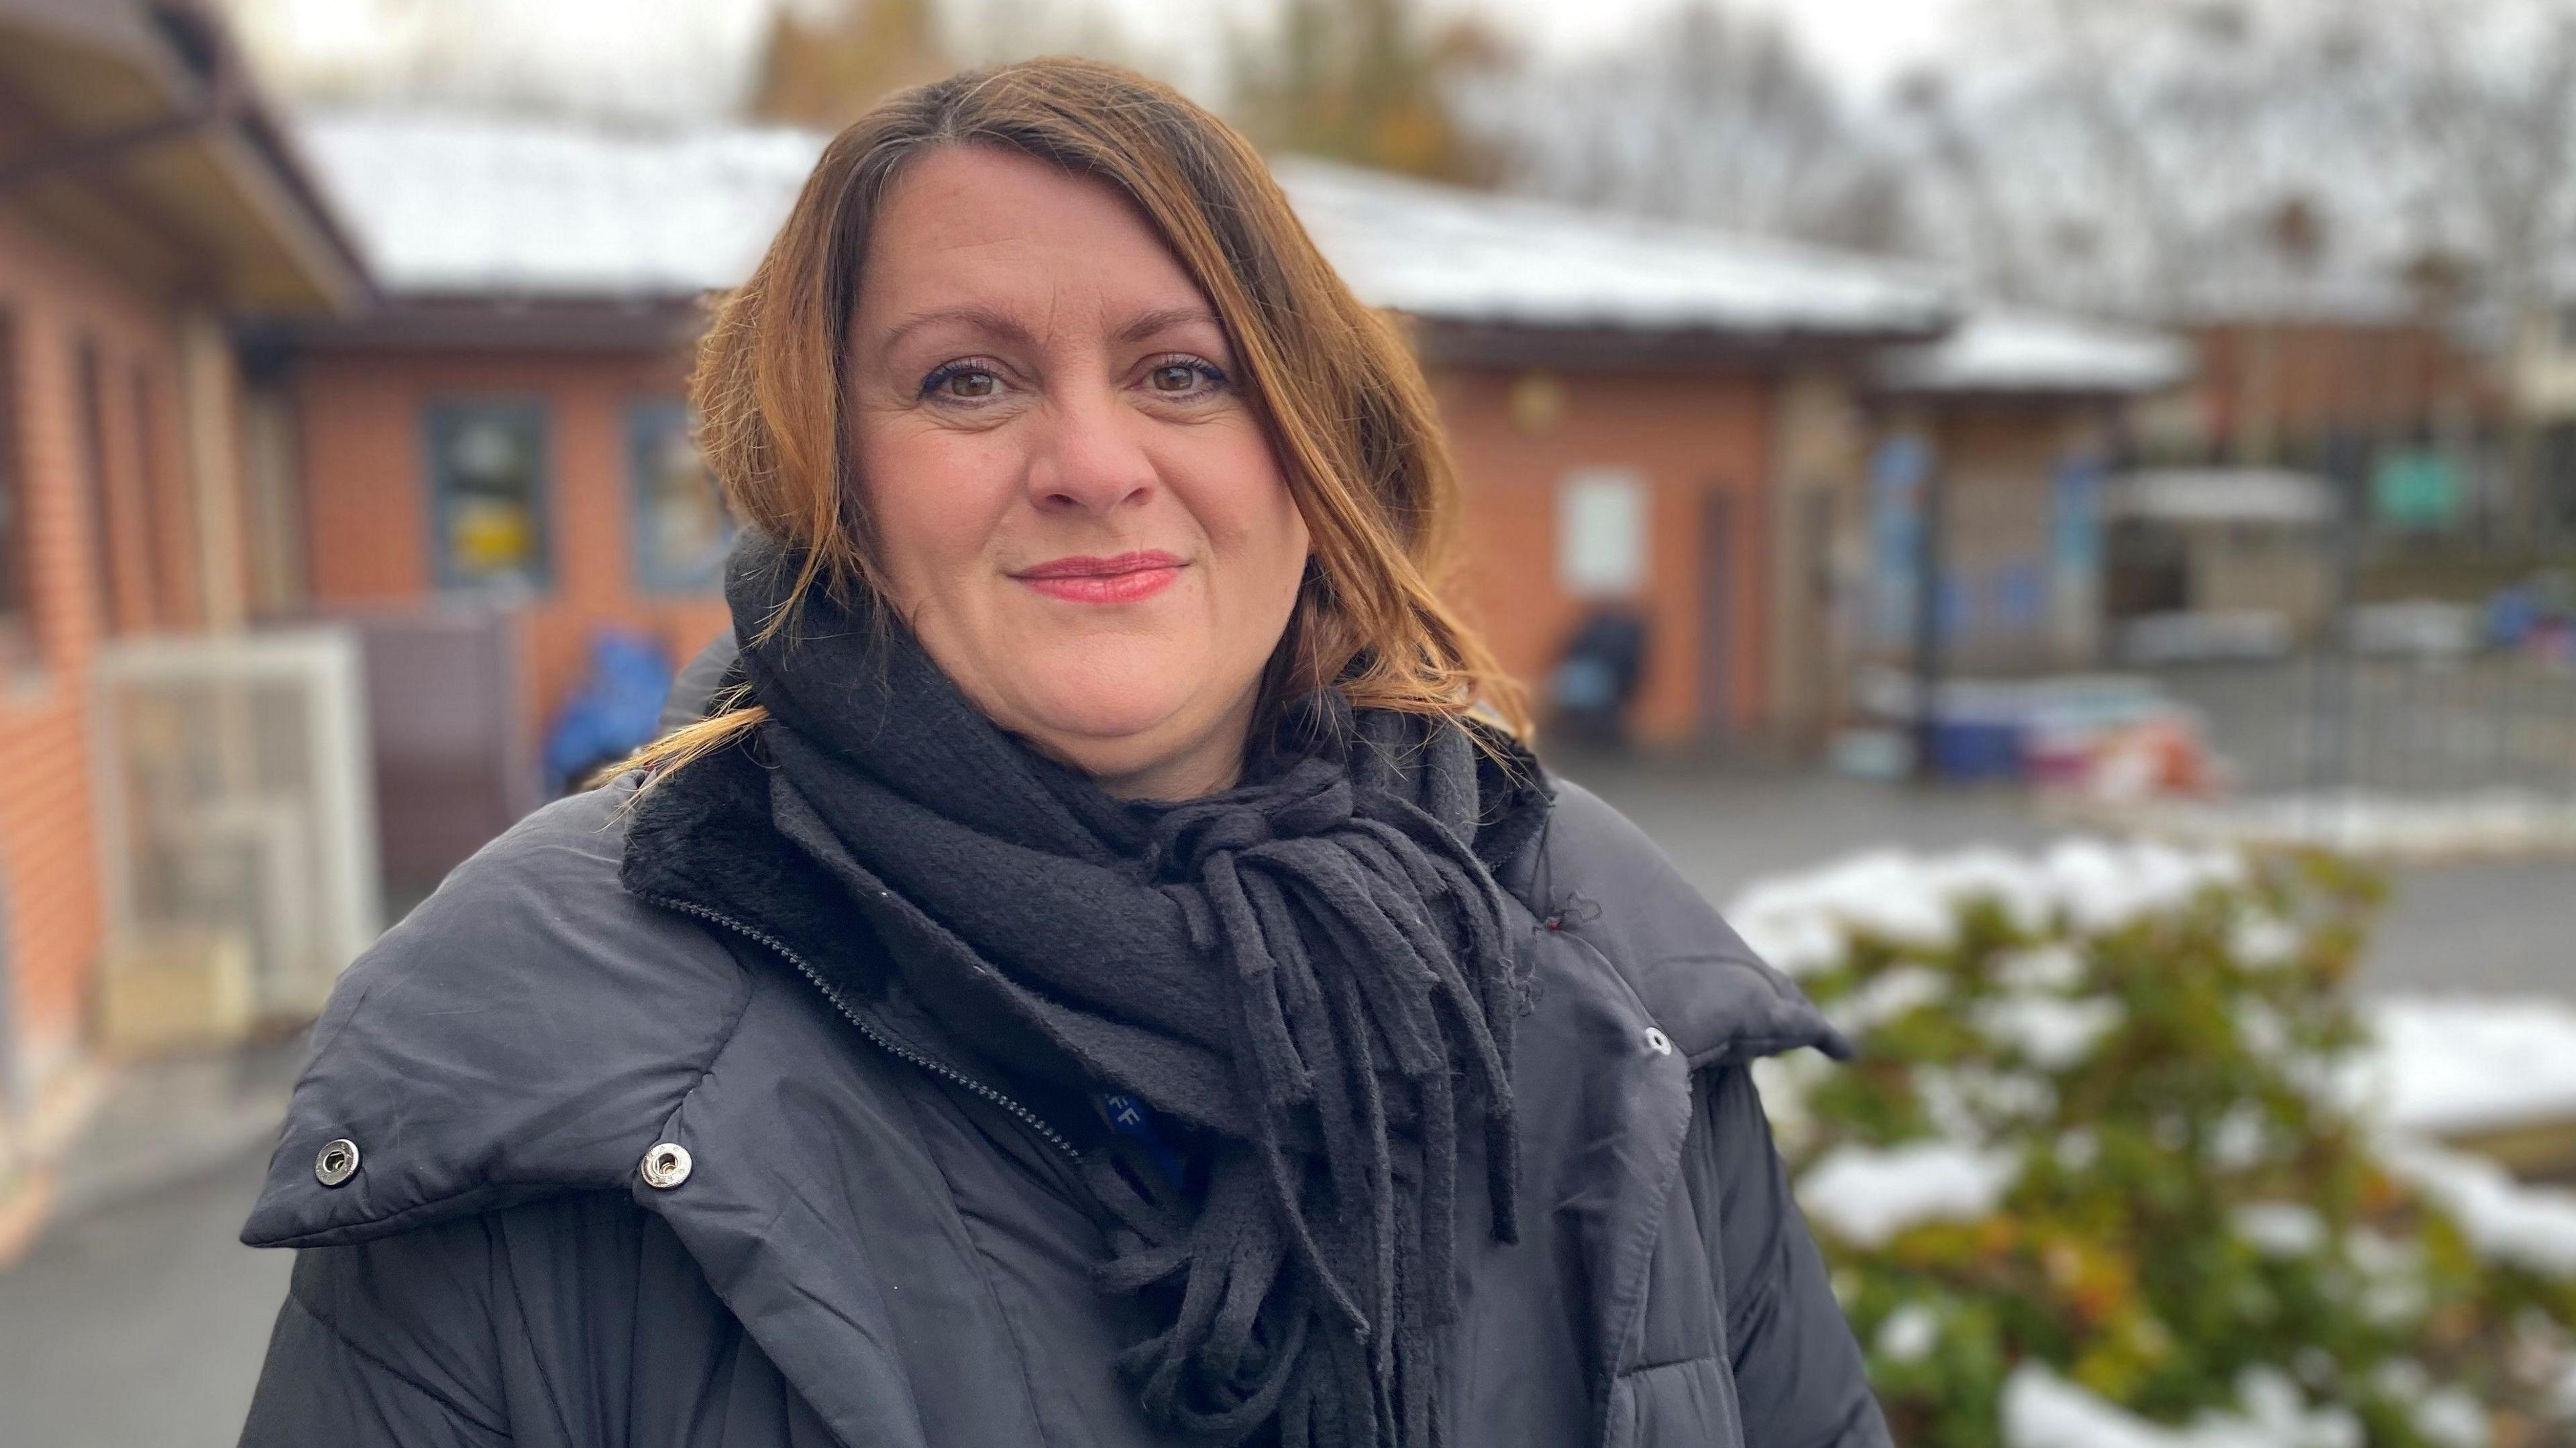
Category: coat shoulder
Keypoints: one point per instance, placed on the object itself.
(1602, 879)
(526, 1030)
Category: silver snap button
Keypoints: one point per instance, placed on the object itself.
(666, 1166)
(1658, 1042)
(336, 1162)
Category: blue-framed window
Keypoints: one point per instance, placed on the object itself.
(487, 479)
(681, 527)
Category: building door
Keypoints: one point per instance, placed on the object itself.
(1718, 526)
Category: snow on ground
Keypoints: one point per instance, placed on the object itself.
(2531, 1227)
(2377, 826)
(2445, 1066)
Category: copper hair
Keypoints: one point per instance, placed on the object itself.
(1338, 390)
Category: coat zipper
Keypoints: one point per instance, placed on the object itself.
(883, 1042)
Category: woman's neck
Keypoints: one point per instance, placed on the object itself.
(1209, 764)
(1209, 769)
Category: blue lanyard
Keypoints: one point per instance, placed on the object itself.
(1131, 1117)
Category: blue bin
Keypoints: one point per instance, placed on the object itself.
(1977, 749)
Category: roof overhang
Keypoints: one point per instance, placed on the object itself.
(2014, 356)
(502, 323)
(2003, 395)
(130, 128)
(1604, 349)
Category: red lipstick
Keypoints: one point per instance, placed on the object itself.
(1124, 578)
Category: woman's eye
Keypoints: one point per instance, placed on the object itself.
(962, 382)
(1178, 377)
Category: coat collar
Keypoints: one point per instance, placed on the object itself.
(1595, 875)
(525, 1030)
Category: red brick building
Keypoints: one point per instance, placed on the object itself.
(144, 200)
(1651, 418)
(507, 430)
(1649, 388)
(380, 419)
(2275, 388)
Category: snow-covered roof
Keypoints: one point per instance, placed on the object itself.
(446, 204)
(2012, 349)
(1452, 254)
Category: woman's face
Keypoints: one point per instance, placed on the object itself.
(1073, 501)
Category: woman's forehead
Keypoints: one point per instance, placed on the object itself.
(982, 241)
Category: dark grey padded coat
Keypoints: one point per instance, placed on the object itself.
(867, 1255)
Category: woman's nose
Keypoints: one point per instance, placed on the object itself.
(1091, 456)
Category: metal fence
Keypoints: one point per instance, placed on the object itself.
(2333, 720)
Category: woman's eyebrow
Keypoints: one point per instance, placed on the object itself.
(983, 319)
(1009, 328)
(1162, 319)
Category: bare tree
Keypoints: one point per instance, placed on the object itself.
(1371, 82)
(2099, 150)
(2481, 94)
(2146, 156)
(567, 57)
(1953, 158)
(1706, 114)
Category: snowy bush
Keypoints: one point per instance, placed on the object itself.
(2099, 1176)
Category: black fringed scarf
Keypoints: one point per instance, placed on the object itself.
(1314, 971)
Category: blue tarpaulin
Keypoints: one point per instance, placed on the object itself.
(614, 712)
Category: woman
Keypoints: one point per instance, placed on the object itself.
(1106, 971)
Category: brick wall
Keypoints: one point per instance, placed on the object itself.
(367, 503)
(58, 299)
(2267, 391)
(1691, 435)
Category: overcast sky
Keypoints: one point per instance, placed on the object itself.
(1864, 43)
(685, 57)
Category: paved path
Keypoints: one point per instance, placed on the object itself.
(141, 1324)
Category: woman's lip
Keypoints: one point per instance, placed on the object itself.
(1088, 566)
(1125, 578)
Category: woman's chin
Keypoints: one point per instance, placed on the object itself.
(1107, 721)
(1113, 724)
